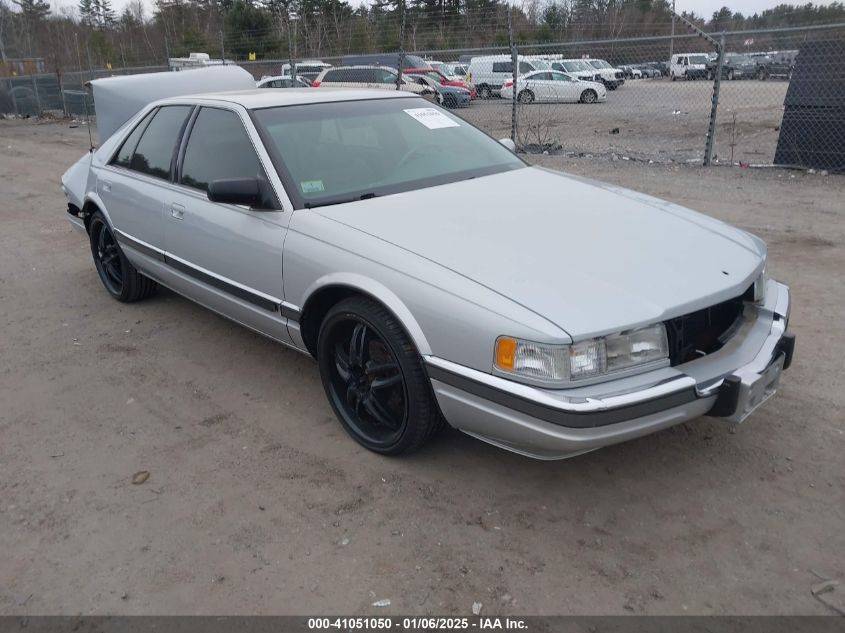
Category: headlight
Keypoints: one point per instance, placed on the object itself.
(585, 359)
(760, 285)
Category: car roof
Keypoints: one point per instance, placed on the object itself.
(258, 98)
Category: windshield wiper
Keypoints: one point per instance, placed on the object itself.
(343, 200)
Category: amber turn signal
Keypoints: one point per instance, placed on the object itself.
(505, 353)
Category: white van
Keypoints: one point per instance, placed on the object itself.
(489, 72)
(688, 66)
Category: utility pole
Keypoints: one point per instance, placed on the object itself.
(672, 41)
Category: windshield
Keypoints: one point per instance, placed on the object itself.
(576, 66)
(328, 153)
(599, 63)
(539, 64)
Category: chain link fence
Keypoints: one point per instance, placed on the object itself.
(772, 96)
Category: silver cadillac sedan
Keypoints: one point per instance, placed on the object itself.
(435, 276)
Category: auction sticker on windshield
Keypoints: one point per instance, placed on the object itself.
(431, 118)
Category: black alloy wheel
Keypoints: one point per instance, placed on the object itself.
(120, 278)
(374, 379)
(107, 258)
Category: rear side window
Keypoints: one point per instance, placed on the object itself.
(154, 154)
(502, 67)
(218, 148)
(124, 154)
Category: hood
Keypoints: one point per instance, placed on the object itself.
(591, 258)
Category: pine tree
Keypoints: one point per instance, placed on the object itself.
(86, 12)
(107, 16)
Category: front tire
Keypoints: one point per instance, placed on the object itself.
(120, 278)
(374, 378)
(589, 96)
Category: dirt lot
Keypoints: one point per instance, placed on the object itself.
(258, 502)
(656, 120)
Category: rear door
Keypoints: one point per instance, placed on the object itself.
(133, 185)
(229, 255)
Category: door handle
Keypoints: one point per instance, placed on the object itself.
(177, 211)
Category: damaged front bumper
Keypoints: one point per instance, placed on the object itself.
(554, 424)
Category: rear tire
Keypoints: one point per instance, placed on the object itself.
(374, 378)
(120, 278)
(484, 92)
(525, 96)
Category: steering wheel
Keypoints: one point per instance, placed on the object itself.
(407, 156)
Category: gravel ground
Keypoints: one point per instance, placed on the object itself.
(656, 120)
(257, 501)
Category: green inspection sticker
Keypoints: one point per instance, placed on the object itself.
(312, 186)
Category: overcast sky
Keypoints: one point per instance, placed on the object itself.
(703, 8)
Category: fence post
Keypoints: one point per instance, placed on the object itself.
(14, 99)
(35, 93)
(401, 49)
(714, 108)
(514, 74)
(62, 92)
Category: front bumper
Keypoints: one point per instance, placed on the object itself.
(554, 424)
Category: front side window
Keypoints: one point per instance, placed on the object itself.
(560, 77)
(124, 154)
(155, 152)
(218, 148)
(334, 152)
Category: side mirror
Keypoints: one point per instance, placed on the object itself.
(245, 191)
(507, 142)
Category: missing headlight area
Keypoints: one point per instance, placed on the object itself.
(703, 332)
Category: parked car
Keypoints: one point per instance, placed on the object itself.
(649, 71)
(663, 67)
(734, 66)
(551, 85)
(577, 68)
(489, 72)
(611, 77)
(307, 68)
(283, 82)
(688, 66)
(770, 67)
(375, 231)
(390, 60)
(454, 71)
(631, 72)
(441, 79)
(379, 77)
(447, 96)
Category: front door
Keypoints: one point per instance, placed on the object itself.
(231, 255)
